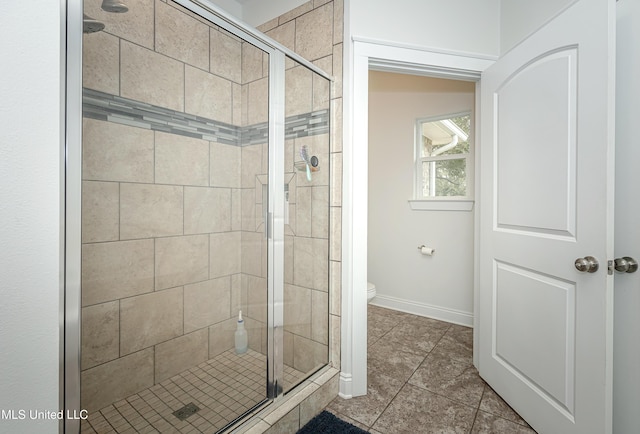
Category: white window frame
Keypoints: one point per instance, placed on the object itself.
(443, 203)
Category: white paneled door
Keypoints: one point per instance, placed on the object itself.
(547, 200)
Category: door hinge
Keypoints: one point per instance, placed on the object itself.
(610, 267)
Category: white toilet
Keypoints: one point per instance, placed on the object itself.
(371, 291)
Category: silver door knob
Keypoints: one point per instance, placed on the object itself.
(625, 264)
(588, 264)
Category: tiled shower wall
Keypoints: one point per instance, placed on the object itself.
(164, 232)
(173, 242)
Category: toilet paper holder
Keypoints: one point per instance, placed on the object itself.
(426, 250)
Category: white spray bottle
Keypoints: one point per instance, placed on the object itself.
(241, 336)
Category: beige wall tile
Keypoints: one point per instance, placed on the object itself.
(315, 403)
(336, 125)
(236, 209)
(182, 37)
(298, 91)
(336, 179)
(177, 355)
(251, 165)
(226, 56)
(314, 33)
(207, 210)
(221, 337)
(149, 319)
(265, 160)
(338, 21)
(257, 334)
(181, 160)
(303, 262)
(253, 253)
(336, 90)
(290, 154)
(100, 334)
(322, 86)
(208, 95)
(238, 296)
(297, 310)
(335, 237)
(181, 260)
(248, 209)
(285, 34)
(303, 210)
(335, 286)
(151, 77)
(101, 62)
(114, 152)
(136, 25)
(265, 27)
(308, 355)
(237, 104)
(116, 270)
(311, 263)
(258, 102)
(320, 316)
(225, 250)
(320, 212)
(287, 349)
(251, 63)
(134, 373)
(288, 259)
(245, 105)
(294, 13)
(334, 340)
(225, 165)
(321, 264)
(287, 424)
(100, 211)
(148, 210)
(207, 303)
(257, 298)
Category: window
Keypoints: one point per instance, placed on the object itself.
(443, 158)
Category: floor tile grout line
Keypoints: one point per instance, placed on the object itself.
(125, 417)
(107, 420)
(407, 380)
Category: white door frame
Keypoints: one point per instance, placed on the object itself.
(361, 56)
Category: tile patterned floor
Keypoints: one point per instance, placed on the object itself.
(223, 388)
(422, 380)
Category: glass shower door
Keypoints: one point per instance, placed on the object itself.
(175, 172)
(306, 247)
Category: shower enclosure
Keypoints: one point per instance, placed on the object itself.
(204, 193)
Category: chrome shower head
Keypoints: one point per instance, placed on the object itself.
(89, 25)
(114, 6)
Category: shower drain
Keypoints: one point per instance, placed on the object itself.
(186, 411)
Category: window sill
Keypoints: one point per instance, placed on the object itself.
(441, 205)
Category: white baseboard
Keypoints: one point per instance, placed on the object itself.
(345, 390)
(421, 309)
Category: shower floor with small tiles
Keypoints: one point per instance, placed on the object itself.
(223, 388)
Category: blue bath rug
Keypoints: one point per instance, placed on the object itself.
(327, 423)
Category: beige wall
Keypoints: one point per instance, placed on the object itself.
(441, 285)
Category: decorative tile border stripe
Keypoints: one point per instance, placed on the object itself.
(105, 107)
